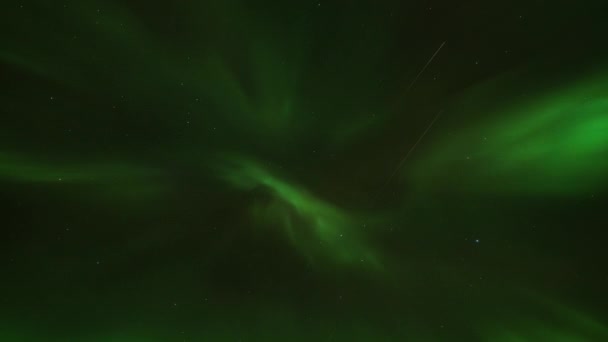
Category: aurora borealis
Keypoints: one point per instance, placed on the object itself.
(303, 171)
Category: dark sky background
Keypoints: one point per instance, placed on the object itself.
(303, 171)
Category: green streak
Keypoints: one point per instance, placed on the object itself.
(115, 180)
(314, 226)
(554, 145)
(557, 323)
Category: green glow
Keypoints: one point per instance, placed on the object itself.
(554, 144)
(558, 323)
(225, 171)
(314, 226)
(115, 180)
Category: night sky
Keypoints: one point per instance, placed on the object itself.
(428, 170)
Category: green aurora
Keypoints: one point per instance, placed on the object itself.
(300, 214)
(272, 171)
(553, 144)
